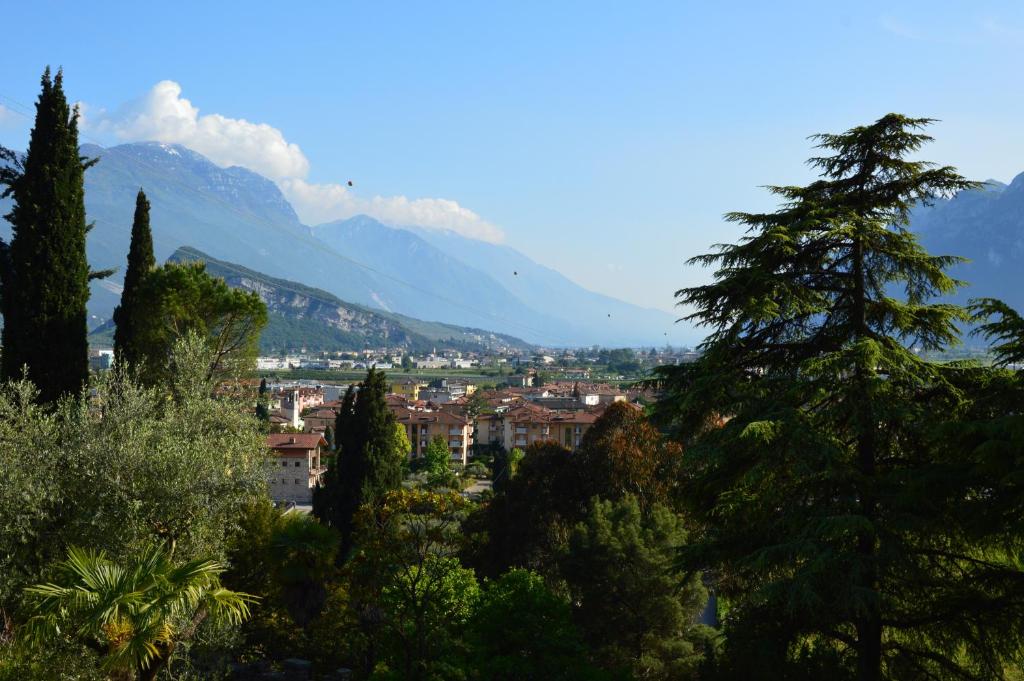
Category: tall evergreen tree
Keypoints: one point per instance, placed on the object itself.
(46, 275)
(262, 406)
(131, 315)
(369, 460)
(829, 507)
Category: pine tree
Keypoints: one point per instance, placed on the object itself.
(130, 316)
(830, 508)
(46, 275)
(368, 463)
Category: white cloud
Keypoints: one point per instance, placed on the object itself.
(318, 203)
(163, 115)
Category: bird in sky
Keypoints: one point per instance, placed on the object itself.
(350, 183)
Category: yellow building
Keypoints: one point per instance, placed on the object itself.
(409, 388)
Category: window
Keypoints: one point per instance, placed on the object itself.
(297, 481)
(284, 463)
(284, 481)
(297, 464)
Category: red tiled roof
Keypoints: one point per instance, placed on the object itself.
(322, 414)
(285, 442)
(406, 415)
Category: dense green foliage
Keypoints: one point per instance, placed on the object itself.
(369, 460)
(183, 299)
(436, 460)
(43, 271)
(831, 510)
(131, 315)
(412, 593)
(621, 556)
(302, 555)
(522, 631)
(853, 506)
(506, 465)
(130, 469)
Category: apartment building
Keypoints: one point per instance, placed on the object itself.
(421, 426)
(525, 424)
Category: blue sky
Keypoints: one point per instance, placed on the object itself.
(602, 139)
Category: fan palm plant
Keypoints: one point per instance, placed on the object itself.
(132, 614)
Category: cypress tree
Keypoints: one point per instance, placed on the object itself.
(46, 278)
(130, 316)
(367, 464)
(831, 508)
(262, 408)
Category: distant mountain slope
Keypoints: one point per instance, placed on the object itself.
(236, 215)
(446, 284)
(229, 213)
(591, 315)
(986, 226)
(304, 317)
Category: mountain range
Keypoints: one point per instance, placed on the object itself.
(986, 226)
(235, 215)
(301, 317)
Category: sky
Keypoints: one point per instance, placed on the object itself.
(603, 139)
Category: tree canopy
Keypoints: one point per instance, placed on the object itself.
(827, 506)
(43, 271)
(179, 299)
(369, 460)
(130, 316)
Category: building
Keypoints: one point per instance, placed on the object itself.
(489, 430)
(270, 363)
(318, 421)
(101, 360)
(294, 466)
(409, 388)
(421, 426)
(525, 425)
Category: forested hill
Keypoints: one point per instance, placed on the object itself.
(305, 317)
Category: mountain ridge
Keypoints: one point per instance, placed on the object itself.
(302, 317)
(236, 215)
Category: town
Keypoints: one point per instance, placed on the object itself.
(474, 421)
(511, 342)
